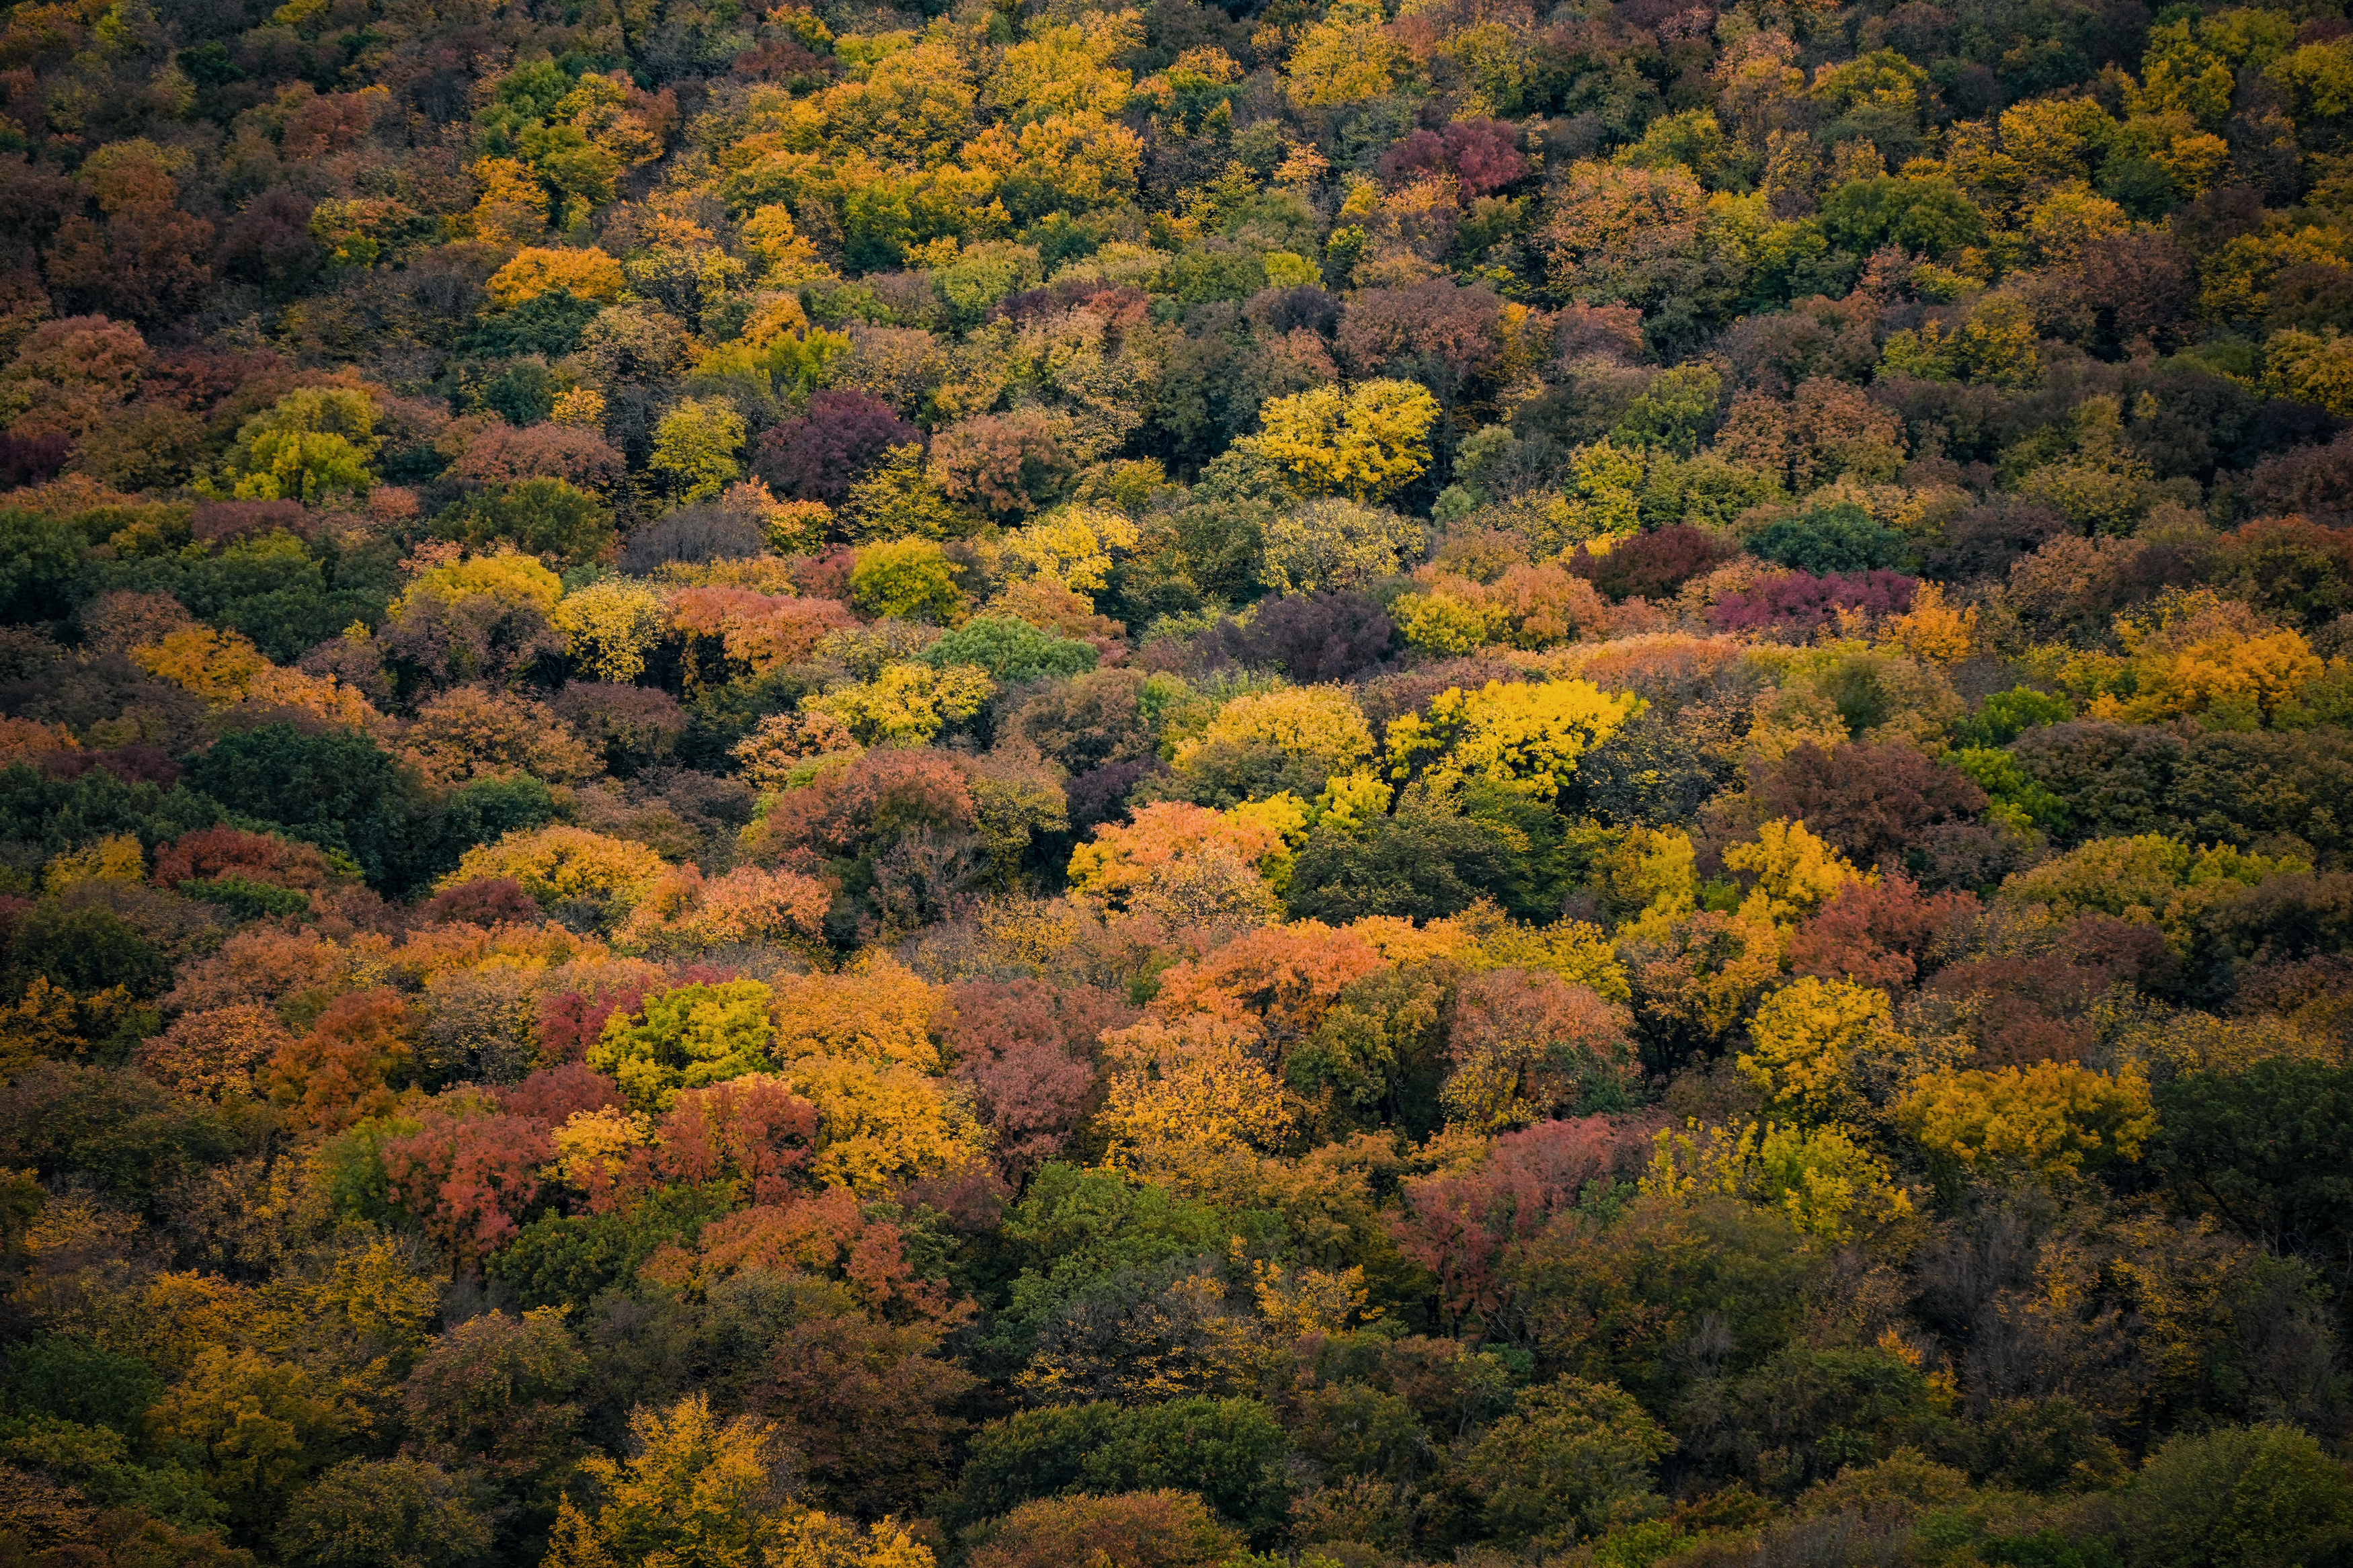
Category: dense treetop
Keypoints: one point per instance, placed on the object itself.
(1035, 783)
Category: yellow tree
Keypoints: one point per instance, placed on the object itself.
(1369, 441)
(700, 1492)
(1525, 737)
(1806, 1040)
(2049, 1119)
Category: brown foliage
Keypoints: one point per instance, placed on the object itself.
(1136, 1530)
(503, 455)
(1027, 1048)
(839, 813)
(215, 1054)
(214, 852)
(1871, 801)
(1877, 933)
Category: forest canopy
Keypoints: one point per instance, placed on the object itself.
(1132, 784)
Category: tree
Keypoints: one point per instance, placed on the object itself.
(311, 443)
(332, 788)
(467, 1174)
(562, 864)
(587, 274)
(695, 447)
(1011, 650)
(2265, 1149)
(1525, 737)
(686, 1037)
(1808, 1043)
(1834, 540)
(260, 1428)
(496, 1392)
(698, 1490)
(474, 731)
(628, 727)
(909, 579)
(543, 516)
(383, 1513)
(818, 455)
(1181, 861)
(1526, 1046)
(2051, 1118)
(1877, 934)
(1224, 1451)
(216, 1053)
(1334, 544)
(1261, 744)
(1312, 637)
(2251, 1497)
(904, 704)
(40, 567)
(1421, 865)
(1027, 1050)
(1871, 803)
(1653, 564)
(1367, 442)
(343, 1070)
(1570, 1463)
(1145, 1529)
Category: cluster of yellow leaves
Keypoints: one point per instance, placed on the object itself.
(1524, 737)
(1796, 873)
(857, 1045)
(1933, 631)
(687, 1037)
(560, 863)
(1821, 1178)
(585, 274)
(473, 732)
(1527, 607)
(115, 859)
(1321, 724)
(1806, 1039)
(1075, 547)
(697, 1489)
(2049, 1119)
(904, 704)
(508, 577)
(2199, 653)
(611, 624)
(1191, 1093)
(1369, 441)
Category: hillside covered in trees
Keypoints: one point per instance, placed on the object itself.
(1049, 784)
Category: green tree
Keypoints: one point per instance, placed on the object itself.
(1228, 1451)
(40, 567)
(1011, 650)
(335, 789)
(695, 449)
(1571, 1462)
(544, 517)
(1834, 538)
(383, 1513)
(2270, 1150)
(2244, 1496)
(311, 443)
